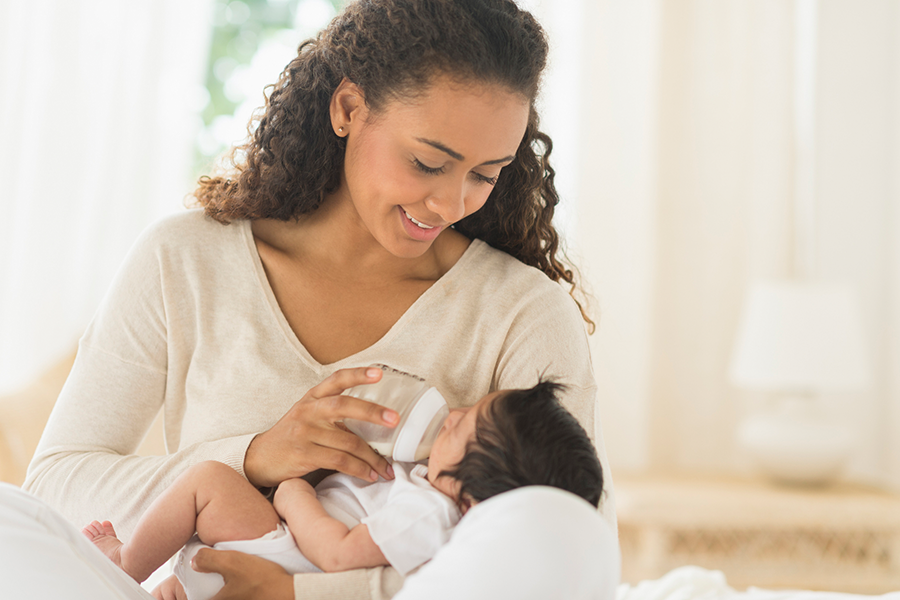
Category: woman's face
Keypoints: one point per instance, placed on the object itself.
(420, 164)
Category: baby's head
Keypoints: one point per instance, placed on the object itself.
(510, 439)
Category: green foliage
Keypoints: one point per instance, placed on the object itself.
(240, 28)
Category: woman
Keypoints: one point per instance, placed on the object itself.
(390, 207)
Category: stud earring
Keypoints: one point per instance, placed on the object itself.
(340, 130)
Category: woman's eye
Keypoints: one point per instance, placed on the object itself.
(438, 170)
(426, 169)
(485, 179)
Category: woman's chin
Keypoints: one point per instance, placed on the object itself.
(408, 249)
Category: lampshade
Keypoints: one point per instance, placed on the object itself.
(800, 337)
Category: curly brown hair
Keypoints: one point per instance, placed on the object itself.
(393, 49)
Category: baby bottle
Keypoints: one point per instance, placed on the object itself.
(422, 412)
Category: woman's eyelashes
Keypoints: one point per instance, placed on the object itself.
(426, 169)
(438, 170)
(485, 178)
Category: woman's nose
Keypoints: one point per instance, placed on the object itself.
(449, 202)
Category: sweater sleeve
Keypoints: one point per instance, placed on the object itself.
(379, 583)
(547, 338)
(85, 465)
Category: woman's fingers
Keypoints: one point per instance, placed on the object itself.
(290, 448)
(366, 465)
(340, 407)
(344, 379)
(347, 441)
(245, 576)
(347, 407)
(355, 447)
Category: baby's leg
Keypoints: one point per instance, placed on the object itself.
(209, 498)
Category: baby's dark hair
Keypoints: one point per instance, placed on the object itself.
(525, 438)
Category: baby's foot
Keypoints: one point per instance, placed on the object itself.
(104, 537)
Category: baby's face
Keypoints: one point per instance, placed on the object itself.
(450, 445)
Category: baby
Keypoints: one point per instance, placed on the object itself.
(509, 439)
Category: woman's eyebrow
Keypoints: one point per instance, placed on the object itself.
(456, 155)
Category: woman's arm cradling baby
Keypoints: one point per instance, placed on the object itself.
(324, 540)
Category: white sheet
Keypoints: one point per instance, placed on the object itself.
(694, 583)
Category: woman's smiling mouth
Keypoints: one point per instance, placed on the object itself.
(417, 223)
(418, 230)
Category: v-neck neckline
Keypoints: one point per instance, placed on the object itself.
(433, 291)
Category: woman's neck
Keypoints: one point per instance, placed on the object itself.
(333, 241)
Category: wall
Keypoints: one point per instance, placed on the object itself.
(684, 195)
(855, 177)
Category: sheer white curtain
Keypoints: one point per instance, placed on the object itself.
(98, 112)
(599, 104)
(677, 132)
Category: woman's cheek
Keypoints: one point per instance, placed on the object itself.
(477, 203)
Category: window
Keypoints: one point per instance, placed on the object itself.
(252, 41)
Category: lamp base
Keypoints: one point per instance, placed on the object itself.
(795, 445)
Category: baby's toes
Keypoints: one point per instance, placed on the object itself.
(92, 530)
(107, 528)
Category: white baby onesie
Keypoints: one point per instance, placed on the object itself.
(408, 519)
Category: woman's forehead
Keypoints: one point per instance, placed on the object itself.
(476, 119)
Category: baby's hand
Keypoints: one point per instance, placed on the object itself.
(289, 491)
(170, 589)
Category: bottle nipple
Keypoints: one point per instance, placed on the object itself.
(419, 429)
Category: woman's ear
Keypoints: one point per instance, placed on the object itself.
(348, 107)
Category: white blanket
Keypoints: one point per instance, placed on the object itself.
(694, 583)
(533, 543)
(500, 550)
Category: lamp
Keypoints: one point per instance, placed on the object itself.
(798, 340)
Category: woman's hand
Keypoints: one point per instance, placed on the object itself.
(310, 435)
(245, 576)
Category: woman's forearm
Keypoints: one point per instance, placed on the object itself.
(84, 466)
(85, 483)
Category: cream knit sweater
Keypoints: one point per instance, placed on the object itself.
(191, 326)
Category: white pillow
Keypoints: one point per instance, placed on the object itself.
(534, 542)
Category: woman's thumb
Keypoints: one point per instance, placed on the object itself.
(210, 561)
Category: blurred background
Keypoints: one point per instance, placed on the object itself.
(703, 148)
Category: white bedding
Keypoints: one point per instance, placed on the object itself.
(44, 556)
(694, 583)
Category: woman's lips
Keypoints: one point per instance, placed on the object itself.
(414, 231)
(418, 222)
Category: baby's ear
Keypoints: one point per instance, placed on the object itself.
(466, 501)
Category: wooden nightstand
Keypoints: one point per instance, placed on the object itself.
(842, 538)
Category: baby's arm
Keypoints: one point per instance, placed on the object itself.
(325, 541)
